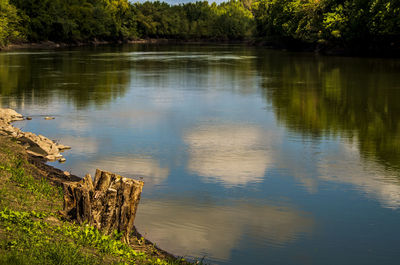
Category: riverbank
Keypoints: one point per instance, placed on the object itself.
(297, 46)
(32, 231)
(56, 45)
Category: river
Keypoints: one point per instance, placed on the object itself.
(249, 155)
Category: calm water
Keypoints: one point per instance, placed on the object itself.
(249, 156)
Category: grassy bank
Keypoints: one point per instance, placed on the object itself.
(31, 232)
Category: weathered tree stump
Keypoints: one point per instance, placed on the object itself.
(109, 204)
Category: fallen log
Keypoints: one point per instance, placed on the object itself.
(109, 204)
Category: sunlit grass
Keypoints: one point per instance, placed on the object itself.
(31, 232)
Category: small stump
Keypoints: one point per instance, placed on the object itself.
(109, 204)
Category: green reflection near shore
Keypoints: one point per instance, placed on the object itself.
(354, 98)
(96, 76)
(315, 96)
(38, 77)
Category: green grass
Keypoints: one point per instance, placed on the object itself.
(34, 238)
(30, 240)
(32, 233)
(39, 187)
(19, 190)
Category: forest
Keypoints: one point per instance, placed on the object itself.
(355, 25)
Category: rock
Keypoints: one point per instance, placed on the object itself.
(40, 144)
(62, 147)
(36, 145)
(9, 115)
(32, 152)
(53, 157)
(29, 118)
(50, 158)
(49, 118)
(66, 173)
(62, 160)
(8, 128)
(110, 203)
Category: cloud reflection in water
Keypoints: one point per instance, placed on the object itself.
(372, 178)
(185, 227)
(148, 168)
(230, 154)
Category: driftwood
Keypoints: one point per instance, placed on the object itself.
(109, 204)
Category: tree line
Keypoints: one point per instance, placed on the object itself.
(348, 24)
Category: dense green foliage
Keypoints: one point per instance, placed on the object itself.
(9, 24)
(194, 20)
(349, 24)
(118, 20)
(345, 23)
(77, 20)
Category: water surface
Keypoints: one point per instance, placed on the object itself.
(249, 155)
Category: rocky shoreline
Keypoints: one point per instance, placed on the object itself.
(35, 145)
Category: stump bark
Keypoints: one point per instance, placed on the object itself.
(109, 204)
